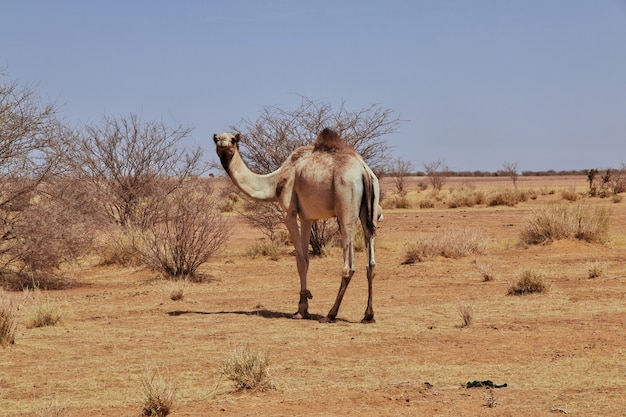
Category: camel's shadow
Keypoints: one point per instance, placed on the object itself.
(267, 314)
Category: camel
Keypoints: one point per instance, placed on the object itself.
(328, 179)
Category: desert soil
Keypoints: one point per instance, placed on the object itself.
(560, 352)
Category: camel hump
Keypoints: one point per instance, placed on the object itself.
(329, 141)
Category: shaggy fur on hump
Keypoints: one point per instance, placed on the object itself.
(329, 141)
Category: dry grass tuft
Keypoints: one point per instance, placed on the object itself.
(248, 370)
(486, 271)
(396, 202)
(450, 243)
(561, 221)
(8, 320)
(490, 399)
(52, 410)
(159, 393)
(427, 203)
(466, 312)
(506, 197)
(569, 194)
(178, 290)
(117, 247)
(529, 282)
(45, 313)
(267, 248)
(465, 196)
(595, 269)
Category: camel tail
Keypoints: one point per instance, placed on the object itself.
(368, 204)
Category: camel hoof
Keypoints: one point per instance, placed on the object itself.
(327, 320)
(368, 320)
(301, 316)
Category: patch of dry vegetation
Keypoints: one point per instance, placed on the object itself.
(561, 221)
(268, 248)
(45, 311)
(529, 282)
(450, 243)
(465, 196)
(248, 369)
(486, 271)
(159, 393)
(53, 409)
(466, 311)
(507, 197)
(8, 320)
(595, 269)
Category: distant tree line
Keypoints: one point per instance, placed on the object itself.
(499, 173)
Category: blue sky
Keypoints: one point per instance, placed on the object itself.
(541, 83)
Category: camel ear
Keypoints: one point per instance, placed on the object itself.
(237, 137)
(215, 137)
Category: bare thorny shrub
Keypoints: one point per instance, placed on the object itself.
(124, 158)
(399, 170)
(265, 217)
(56, 228)
(437, 172)
(39, 229)
(607, 183)
(180, 230)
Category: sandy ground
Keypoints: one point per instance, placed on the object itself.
(563, 351)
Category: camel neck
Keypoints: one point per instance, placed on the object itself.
(257, 186)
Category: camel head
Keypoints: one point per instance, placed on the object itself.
(226, 144)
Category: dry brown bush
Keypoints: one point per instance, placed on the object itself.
(36, 232)
(124, 159)
(248, 369)
(529, 282)
(506, 197)
(466, 311)
(595, 269)
(437, 172)
(561, 221)
(268, 248)
(465, 196)
(8, 320)
(159, 392)
(323, 235)
(486, 271)
(56, 227)
(396, 202)
(569, 194)
(427, 203)
(180, 231)
(263, 216)
(45, 311)
(448, 243)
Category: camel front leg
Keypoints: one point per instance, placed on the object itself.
(300, 237)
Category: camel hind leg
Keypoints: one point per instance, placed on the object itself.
(347, 239)
(371, 263)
